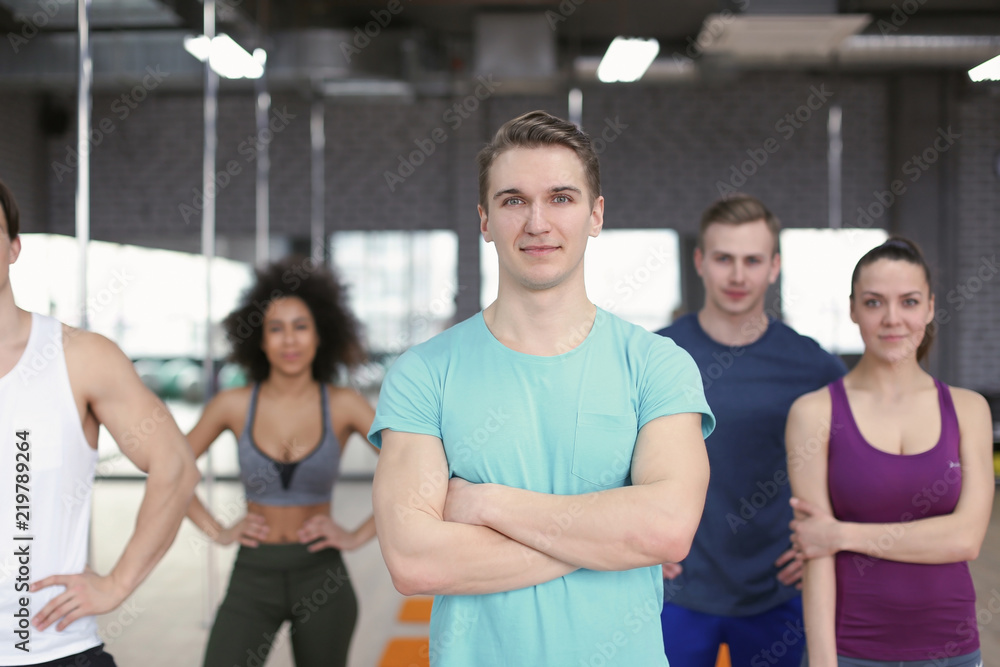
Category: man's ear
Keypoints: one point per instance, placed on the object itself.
(483, 224)
(775, 268)
(15, 249)
(597, 217)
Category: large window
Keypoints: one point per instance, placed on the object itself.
(402, 284)
(633, 273)
(150, 302)
(816, 267)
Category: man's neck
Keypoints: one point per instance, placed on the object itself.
(733, 330)
(13, 320)
(542, 323)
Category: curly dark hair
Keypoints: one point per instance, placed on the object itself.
(326, 298)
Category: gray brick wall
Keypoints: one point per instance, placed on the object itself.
(974, 299)
(664, 152)
(21, 157)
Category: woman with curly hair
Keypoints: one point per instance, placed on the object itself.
(291, 334)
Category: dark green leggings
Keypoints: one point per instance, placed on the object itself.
(273, 583)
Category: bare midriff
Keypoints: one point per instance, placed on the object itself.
(284, 522)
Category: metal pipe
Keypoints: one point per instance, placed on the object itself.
(317, 134)
(84, 106)
(263, 172)
(210, 149)
(834, 160)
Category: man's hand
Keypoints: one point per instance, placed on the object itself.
(86, 594)
(672, 570)
(249, 531)
(791, 568)
(462, 504)
(815, 531)
(324, 533)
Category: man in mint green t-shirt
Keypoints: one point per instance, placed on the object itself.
(542, 458)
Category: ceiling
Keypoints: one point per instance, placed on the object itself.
(429, 41)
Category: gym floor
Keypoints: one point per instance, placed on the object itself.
(165, 623)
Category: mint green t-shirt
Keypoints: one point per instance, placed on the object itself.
(564, 424)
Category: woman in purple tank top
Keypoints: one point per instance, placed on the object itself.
(892, 477)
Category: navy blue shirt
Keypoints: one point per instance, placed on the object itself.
(730, 570)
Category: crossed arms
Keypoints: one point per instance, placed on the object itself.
(450, 537)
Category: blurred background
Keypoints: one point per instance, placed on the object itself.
(347, 130)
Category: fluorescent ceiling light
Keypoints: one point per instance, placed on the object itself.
(988, 71)
(225, 56)
(627, 59)
(367, 88)
(197, 46)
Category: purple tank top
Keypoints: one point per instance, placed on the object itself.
(888, 610)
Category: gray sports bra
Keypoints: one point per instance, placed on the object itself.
(308, 481)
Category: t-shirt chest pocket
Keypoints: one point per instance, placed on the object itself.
(602, 448)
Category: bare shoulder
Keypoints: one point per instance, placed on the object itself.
(345, 398)
(93, 354)
(969, 404)
(814, 404)
(228, 408)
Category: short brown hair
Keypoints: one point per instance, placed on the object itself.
(10, 211)
(533, 130)
(738, 209)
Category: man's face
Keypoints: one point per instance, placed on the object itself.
(9, 250)
(737, 265)
(539, 216)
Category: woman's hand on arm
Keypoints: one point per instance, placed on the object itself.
(948, 538)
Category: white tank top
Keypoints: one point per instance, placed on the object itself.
(46, 475)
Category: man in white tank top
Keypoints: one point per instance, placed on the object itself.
(57, 385)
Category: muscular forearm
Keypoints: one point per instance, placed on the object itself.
(819, 610)
(169, 489)
(617, 529)
(433, 557)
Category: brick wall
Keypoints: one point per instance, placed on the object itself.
(974, 299)
(21, 157)
(664, 153)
